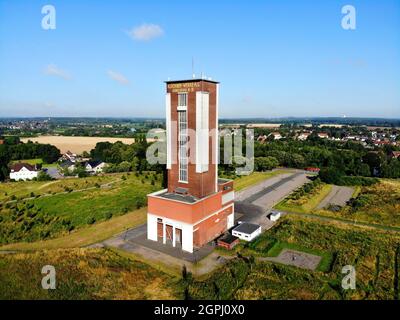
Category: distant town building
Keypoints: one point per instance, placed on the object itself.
(323, 135)
(303, 136)
(23, 171)
(68, 165)
(262, 138)
(69, 156)
(276, 135)
(395, 154)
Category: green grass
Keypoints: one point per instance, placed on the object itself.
(53, 216)
(29, 161)
(371, 252)
(307, 203)
(242, 182)
(377, 204)
(86, 235)
(326, 257)
(83, 274)
(23, 189)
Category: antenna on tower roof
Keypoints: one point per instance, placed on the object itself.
(193, 75)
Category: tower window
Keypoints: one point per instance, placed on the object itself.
(183, 152)
(182, 99)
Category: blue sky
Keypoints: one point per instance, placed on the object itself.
(273, 58)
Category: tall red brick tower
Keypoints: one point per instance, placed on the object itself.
(197, 206)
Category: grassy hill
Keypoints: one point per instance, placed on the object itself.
(374, 254)
(82, 274)
(55, 215)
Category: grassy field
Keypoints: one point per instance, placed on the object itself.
(83, 274)
(24, 189)
(242, 182)
(29, 161)
(375, 255)
(53, 216)
(86, 235)
(377, 204)
(308, 202)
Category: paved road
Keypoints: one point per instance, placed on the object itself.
(252, 204)
(338, 196)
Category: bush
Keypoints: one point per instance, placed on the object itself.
(108, 215)
(91, 220)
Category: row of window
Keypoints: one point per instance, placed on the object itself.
(183, 138)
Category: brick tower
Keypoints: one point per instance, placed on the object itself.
(196, 207)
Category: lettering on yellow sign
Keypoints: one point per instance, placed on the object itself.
(183, 86)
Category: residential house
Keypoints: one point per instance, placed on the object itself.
(262, 138)
(23, 171)
(395, 154)
(69, 165)
(303, 136)
(323, 135)
(69, 156)
(95, 166)
(276, 135)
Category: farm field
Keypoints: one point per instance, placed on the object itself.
(56, 215)
(83, 274)
(375, 255)
(75, 144)
(376, 204)
(242, 182)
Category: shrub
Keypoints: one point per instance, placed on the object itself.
(108, 215)
(91, 220)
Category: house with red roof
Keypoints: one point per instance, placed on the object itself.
(23, 171)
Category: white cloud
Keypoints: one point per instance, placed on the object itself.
(118, 77)
(53, 70)
(146, 32)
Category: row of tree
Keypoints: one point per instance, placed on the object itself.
(14, 149)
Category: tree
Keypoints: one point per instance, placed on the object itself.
(265, 163)
(124, 166)
(43, 176)
(331, 175)
(4, 159)
(392, 169)
(363, 170)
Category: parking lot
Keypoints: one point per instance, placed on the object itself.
(253, 204)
